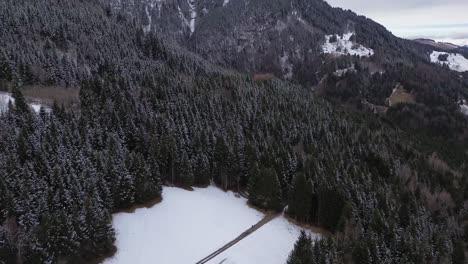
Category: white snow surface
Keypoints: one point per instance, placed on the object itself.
(344, 46)
(184, 228)
(270, 244)
(455, 61)
(5, 98)
(187, 226)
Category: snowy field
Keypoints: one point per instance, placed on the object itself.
(344, 46)
(188, 226)
(455, 61)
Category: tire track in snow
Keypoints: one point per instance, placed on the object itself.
(246, 233)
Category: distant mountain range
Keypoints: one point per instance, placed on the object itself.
(440, 45)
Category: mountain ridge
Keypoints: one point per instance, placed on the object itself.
(254, 43)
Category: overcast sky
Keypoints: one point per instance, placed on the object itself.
(443, 20)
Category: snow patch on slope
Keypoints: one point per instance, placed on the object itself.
(193, 15)
(191, 21)
(464, 108)
(147, 28)
(344, 46)
(5, 99)
(182, 17)
(225, 2)
(455, 61)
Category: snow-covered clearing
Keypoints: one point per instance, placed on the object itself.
(189, 225)
(455, 61)
(5, 98)
(344, 46)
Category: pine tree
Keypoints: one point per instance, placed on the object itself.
(330, 207)
(302, 252)
(221, 158)
(7, 253)
(124, 189)
(300, 198)
(147, 183)
(20, 102)
(459, 253)
(265, 189)
(202, 170)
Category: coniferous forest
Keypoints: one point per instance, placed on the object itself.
(387, 188)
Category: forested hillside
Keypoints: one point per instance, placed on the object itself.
(285, 39)
(152, 113)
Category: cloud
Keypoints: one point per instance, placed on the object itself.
(378, 5)
(456, 34)
(436, 19)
